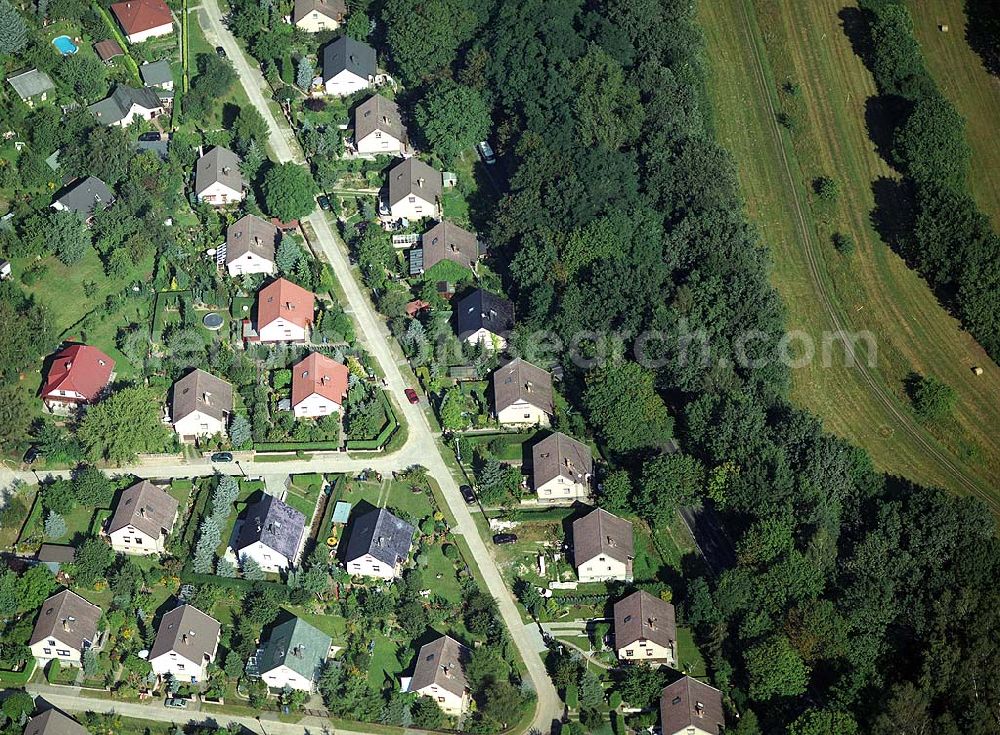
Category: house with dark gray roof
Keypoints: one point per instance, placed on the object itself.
(603, 547)
(125, 104)
(66, 627)
(484, 318)
(84, 197)
(144, 517)
(561, 468)
(271, 534)
(439, 673)
(522, 394)
(31, 86)
(157, 76)
(186, 643)
(378, 128)
(217, 178)
(348, 66)
(294, 655)
(691, 707)
(379, 545)
(54, 722)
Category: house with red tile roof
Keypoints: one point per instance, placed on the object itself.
(285, 312)
(319, 385)
(77, 375)
(143, 19)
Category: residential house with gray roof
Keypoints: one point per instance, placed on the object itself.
(54, 722)
(84, 197)
(32, 86)
(379, 545)
(293, 655)
(561, 469)
(484, 318)
(201, 405)
(414, 190)
(66, 627)
(126, 104)
(187, 641)
(603, 547)
(691, 707)
(144, 517)
(522, 394)
(271, 534)
(349, 66)
(217, 178)
(158, 77)
(378, 128)
(439, 673)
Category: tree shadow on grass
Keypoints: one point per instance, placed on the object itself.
(894, 215)
(855, 27)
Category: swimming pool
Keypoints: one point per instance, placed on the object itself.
(65, 45)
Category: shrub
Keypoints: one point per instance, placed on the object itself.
(844, 243)
(931, 398)
(826, 188)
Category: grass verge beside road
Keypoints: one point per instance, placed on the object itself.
(871, 290)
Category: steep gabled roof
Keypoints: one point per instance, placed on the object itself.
(218, 166)
(378, 113)
(482, 309)
(519, 380)
(600, 532)
(317, 373)
(67, 617)
(448, 241)
(287, 300)
(332, 9)
(640, 616)
(54, 722)
(347, 54)
(413, 177)
(146, 507)
(558, 455)
(297, 645)
(201, 391)
(84, 196)
(81, 369)
(275, 524)
(441, 662)
(187, 631)
(136, 16)
(690, 703)
(382, 535)
(251, 234)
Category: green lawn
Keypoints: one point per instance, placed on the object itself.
(959, 72)
(385, 662)
(303, 494)
(398, 496)
(870, 291)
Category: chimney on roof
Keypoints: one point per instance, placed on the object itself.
(699, 709)
(206, 397)
(612, 542)
(69, 364)
(184, 638)
(447, 670)
(527, 386)
(142, 511)
(651, 623)
(289, 305)
(65, 624)
(226, 170)
(102, 363)
(420, 182)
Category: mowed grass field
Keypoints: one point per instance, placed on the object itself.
(962, 78)
(753, 49)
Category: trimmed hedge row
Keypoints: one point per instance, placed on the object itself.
(387, 431)
(294, 446)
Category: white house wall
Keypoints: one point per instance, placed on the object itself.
(602, 568)
(379, 142)
(413, 207)
(315, 405)
(131, 540)
(139, 37)
(219, 195)
(345, 84)
(250, 263)
(282, 330)
(522, 412)
(199, 424)
(369, 566)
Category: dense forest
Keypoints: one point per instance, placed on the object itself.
(939, 229)
(857, 603)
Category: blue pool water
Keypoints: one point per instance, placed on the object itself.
(65, 45)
